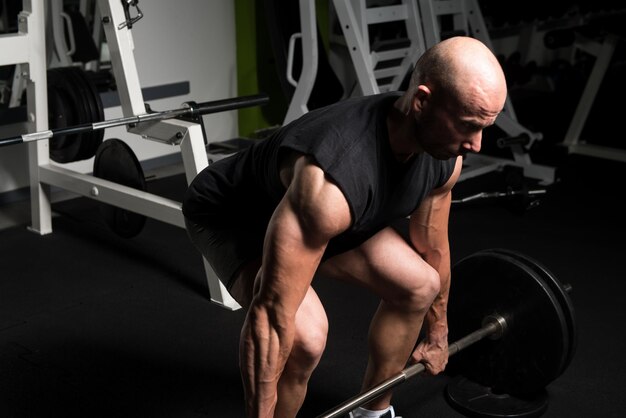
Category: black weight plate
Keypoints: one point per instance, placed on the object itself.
(474, 400)
(561, 293)
(59, 111)
(83, 104)
(65, 112)
(65, 82)
(90, 140)
(533, 350)
(115, 161)
(83, 107)
(99, 113)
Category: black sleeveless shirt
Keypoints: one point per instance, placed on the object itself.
(349, 141)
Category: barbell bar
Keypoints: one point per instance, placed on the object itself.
(491, 195)
(494, 327)
(189, 109)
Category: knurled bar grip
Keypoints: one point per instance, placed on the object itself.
(493, 326)
(190, 110)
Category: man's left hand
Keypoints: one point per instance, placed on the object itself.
(433, 354)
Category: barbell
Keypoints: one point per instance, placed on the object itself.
(190, 109)
(513, 326)
(76, 113)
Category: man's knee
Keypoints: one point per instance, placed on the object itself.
(417, 294)
(309, 342)
(305, 356)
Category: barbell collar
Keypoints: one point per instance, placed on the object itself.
(493, 325)
(38, 136)
(35, 136)
(499, 322)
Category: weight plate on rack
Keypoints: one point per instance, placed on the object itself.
(90, 140)
(115, 161)
(81, 104)
(64, 110)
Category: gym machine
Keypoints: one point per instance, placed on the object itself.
(179, 127)
(603, 51)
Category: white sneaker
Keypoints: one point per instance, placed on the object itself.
(389, 414)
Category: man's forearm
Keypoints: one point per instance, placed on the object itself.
(436, 318)
(264, 351)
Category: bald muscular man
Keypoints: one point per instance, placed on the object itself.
(319, 195)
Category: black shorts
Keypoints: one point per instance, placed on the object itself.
(227, 246)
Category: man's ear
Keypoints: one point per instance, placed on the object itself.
(420, 98)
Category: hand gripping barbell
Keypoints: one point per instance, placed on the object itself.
(527, 335)
(494, 327)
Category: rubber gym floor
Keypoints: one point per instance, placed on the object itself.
(94, 325)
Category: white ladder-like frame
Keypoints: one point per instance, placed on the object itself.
(423, 29)
(30, 44)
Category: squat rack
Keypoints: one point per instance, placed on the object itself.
(28, 46)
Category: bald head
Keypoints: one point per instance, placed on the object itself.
(462, 68)
(456, 91)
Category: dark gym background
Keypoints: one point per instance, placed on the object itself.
(94, 325)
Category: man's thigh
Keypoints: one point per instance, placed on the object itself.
(386, 263)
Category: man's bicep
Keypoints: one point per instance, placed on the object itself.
(317, 201)
(312, 211)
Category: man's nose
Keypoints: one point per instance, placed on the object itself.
(474, 142)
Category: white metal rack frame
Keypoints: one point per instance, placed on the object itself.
(26, 49)
(28, 46)
(603, 52)
(355, 19)
(304, 85)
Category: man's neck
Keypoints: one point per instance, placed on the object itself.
(401, 130)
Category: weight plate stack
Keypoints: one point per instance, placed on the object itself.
(94, 112)
(537, 344)
(73, 100)
(562, 293)
(64, 110)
